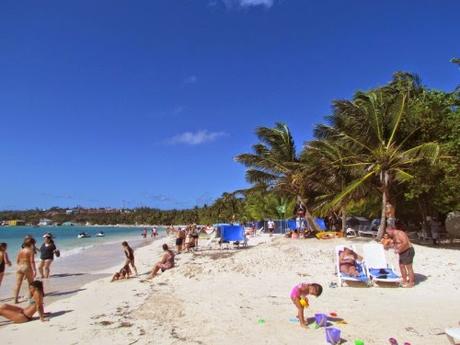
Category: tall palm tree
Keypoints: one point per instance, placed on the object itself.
(274, 163)
(369, 127)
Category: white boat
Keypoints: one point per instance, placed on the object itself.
(83, 235)
(100, 234)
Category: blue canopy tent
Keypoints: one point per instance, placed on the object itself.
(293, 224)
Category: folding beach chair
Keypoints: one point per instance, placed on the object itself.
(360, 267)
(379, 270)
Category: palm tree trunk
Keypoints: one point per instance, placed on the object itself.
(383, 220)
(344, 219)
(308, 216)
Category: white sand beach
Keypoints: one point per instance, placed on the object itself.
(242, 296)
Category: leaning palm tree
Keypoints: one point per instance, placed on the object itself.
(274, 163)
(369, 127)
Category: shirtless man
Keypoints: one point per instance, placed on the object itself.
(406, 253)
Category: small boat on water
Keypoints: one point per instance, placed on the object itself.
(83, 235)
(100, 234)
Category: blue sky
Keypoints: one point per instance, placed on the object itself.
(145, 103)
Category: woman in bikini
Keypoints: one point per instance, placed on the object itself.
(4, 260)
(301, 291)
(21, 315)
(347, 260)
(26, 266)
(166, 262)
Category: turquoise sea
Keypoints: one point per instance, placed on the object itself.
(65, 237)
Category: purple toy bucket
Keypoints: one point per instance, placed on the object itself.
(321, 319)
(333, 335)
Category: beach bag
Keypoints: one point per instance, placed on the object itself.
(333, 335)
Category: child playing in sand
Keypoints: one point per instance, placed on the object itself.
(302, 290)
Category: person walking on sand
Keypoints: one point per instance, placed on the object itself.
(406, 253)
(129, 253)
(166, 262)
(271, 227)
(21, 315)
(299, 298)
(26, 266)
(4, 260)
(47, 251)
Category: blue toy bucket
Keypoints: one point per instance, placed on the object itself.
(333, 335)
(321, 319)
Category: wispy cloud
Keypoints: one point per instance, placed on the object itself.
(191, 79)
(249, 3)
(58, 196)
(196, 138)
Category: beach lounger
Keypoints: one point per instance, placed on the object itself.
(342, 277)
(379, 270)
(453, 334)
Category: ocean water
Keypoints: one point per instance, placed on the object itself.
(82, 260)
(65, 237)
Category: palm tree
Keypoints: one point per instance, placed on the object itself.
(369, 128)
(274, 163)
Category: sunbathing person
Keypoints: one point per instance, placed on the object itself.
(298, 297)
(347, 261)
(20, 315)
(167, 262)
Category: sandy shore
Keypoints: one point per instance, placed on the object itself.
(219, 297)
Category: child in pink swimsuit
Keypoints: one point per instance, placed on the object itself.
(302, 290)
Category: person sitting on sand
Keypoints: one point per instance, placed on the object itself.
(295, 235)
(387, 242)
(347, 261)
(4, 260)
(302, 290)
(21, 315)
(25, 266)
(129, 253)
(167, 262)
(124, 273)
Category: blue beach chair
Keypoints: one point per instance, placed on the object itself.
(233, 233)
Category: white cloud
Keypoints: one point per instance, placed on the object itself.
(249, 3)
(192, 79)
(196, 138)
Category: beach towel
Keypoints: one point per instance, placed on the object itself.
(383, 273)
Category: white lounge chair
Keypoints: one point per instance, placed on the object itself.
(378, 268)
(341, 277)
(453, 334)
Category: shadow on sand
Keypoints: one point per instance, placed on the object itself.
(64, 275)
(63, 293)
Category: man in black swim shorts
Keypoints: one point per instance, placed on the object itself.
(406, 253)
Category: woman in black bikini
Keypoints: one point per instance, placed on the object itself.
(4, 260)
(129, 252)
(21, 315)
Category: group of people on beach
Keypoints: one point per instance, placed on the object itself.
(27, 270)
